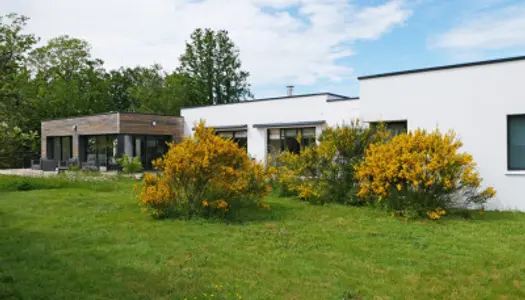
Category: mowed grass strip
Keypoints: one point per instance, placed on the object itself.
(85, 243)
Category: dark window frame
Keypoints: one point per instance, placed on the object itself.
(390, 123)
(509, 117)
(85, 138)
(50, 140)
(282, 137)
(235, 138)
(146, 163)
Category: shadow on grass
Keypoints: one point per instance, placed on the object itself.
(34, 265)
(277, 212)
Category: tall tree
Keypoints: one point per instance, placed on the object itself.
(155, 91)
(14, 46)
(68, 81)
(211, 70)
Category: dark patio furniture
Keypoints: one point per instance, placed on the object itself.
(113, 165)
(48, 164)
(36, 164)
(64, 165)
(91, 163)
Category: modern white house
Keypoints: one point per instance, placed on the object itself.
(269, 125)
(483, 102)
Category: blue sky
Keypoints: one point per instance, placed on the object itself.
(316, 45)
(410, 45)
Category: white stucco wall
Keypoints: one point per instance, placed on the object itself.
(474, 101)
(287, 110)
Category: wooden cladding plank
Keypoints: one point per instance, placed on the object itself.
(151, 124)
(96, 124)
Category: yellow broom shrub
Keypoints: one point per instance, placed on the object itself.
(324, 172)
(204, 175)
(423, 173)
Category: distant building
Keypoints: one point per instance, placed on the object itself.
(99, 139)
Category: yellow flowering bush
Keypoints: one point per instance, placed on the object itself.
(423, 173)
(325, 172)
(203, 175)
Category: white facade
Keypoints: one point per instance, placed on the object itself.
(474, 101)
(330, 108)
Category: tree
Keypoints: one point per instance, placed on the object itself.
(14, 144)
(14, 46)
(155, 91)
(211, 70)
(67, 80)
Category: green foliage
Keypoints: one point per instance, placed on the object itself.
(74, 167)
(211, 69)
(155, 91)
(61, 78)
(326, 172)
(14, 47)
(14, 141)
(130, 166)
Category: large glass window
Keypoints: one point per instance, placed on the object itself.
(290, 139)
(101, 150)
(59, 148)
(149, 148)
(240, 137)
(394, 127)
(516, 142)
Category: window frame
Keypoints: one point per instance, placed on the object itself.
(509, 117)
(391, 122)
(50, 146)
(234, 137)
(282, 137)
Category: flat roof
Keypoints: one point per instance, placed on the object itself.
(445, 67)
(112, 113)
(291, 124)
(227, 127)
(340, 98)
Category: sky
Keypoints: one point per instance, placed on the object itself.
(315, 45)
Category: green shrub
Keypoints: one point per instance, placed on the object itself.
(326, 172)
(74, 167)
(130, 166)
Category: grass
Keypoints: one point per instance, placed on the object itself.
(80, 243)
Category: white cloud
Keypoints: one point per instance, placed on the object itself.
(278, 45)
(486, 30)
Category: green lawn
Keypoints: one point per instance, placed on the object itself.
(80, 243)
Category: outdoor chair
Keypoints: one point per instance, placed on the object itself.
(64, 165)
(36, 164)
(48, 164)
(91, 163)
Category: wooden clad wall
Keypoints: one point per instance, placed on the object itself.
(88, 125)
(111, 123)
(144, 124)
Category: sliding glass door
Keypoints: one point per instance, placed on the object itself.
(101, 150)
(59, 148)
(149, 148)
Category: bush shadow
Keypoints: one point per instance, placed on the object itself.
(276, 212)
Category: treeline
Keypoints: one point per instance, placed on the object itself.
(62, 79)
